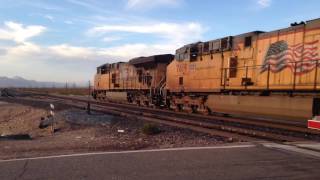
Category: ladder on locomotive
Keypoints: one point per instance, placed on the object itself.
(159, 92)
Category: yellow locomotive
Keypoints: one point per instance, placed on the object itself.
(263, 73)
(138, 81)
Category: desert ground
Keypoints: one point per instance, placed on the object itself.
(75, 131)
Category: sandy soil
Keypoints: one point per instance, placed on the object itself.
(86, 136)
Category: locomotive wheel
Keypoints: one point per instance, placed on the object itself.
(187, 108)
(146, 103)
(203, 110)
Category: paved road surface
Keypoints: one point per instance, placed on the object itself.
(231, 162)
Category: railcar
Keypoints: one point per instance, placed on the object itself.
(268, 74)
(263, 73)
(140, 80)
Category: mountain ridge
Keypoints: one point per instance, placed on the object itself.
(18, 82)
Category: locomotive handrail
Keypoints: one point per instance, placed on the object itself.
(263, 65)
(293, 65)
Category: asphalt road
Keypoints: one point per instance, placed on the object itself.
(235, 162)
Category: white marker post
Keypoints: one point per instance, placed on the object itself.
(52, 118)
(88, 104)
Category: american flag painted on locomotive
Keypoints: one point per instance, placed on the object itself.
(301, 56)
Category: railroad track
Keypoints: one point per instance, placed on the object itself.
(238, 128)
(246, 129)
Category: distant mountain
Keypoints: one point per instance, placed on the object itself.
(21, 82)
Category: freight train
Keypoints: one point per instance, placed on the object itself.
(269, 74)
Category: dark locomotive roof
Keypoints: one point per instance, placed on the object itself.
(162, 58)
(103, 65)
(104, 68)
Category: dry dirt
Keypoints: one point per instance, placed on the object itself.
(23, 117)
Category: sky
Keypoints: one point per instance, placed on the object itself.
(65, 40)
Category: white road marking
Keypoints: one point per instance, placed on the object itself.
(293, 148)
(134, 151)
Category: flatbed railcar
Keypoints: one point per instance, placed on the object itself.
(269, 74)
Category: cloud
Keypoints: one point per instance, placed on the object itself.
(65, 50)
(118, 53)
(177, 33)
(43, 5)
(147, 4)
(20, 56)
(91, 5)
(49, 17)
(68, 22)
(111, 39)
(128, 51)
(19, 33)
(264, 3)
(23, 49)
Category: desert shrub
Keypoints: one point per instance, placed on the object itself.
(150, 129)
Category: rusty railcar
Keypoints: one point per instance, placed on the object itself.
(250, 73)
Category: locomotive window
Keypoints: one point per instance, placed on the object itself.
(186, 51)
(224, 43)
(248, 41)
(185, 57)
(139, 72)
(113, 78)
(103, 70)
(193, 57)
(206, 47)
(179, 57)
(148, 80)
(193, 53)
(200, 49)
(233, 67)
(180, 80)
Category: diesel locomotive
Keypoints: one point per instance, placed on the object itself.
(269, 74)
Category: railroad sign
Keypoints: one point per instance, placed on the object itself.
(314, 124)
